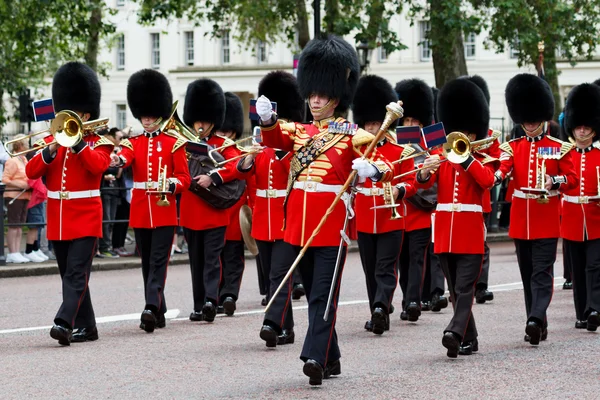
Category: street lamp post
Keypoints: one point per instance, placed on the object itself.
(364, 55)
(317, 12)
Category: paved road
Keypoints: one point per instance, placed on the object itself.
(227, 359)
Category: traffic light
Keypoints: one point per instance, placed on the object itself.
(25, 109)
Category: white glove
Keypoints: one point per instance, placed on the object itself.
(364, 168)
(263, 108)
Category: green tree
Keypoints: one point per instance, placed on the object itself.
(568, 28)
(38, 36)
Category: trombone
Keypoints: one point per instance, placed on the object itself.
(245, 151)
(174, 123)
(67, 128)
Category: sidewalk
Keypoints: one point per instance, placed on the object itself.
(106, 264)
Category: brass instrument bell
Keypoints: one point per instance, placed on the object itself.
(163, 185)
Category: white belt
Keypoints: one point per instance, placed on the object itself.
(576, 199)
(82, 194)
(459, 207)
(521, 195)
(145, 185)
(371, 191)
(308, 186)
(270, 193)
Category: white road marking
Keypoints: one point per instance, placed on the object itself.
(173, 314)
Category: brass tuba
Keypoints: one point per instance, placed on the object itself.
(67, 128)
(174, 124)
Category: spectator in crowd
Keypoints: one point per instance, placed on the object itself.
(16, 198)
(111, 197)
(3, 157)
(35, 215)
(125, 183)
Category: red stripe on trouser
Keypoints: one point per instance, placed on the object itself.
(471, 310)
(165, 277)
(335, 299)
(85, 289)
(287, 302)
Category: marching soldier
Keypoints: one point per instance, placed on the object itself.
(461, 183)
(417, 99)
(380, 231)
(232, 255)
(151, 155)
(271, 168)
(580, 223)
(482, 294)
(327, 76)
(537, 161)
(73, 178)
(204, 111)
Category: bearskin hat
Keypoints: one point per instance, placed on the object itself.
(234, 115)
(583, 108)
(329, 67)
(149, 94)
(597, 82)
(76, 87)
(481, 83)
(373, 93)
(529, 99)
(204, 101)
(462, 107)
(282, 88)
(417, 100)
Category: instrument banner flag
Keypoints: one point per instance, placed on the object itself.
(198, 148)
(253, 115)
(43, 110)
(408, 135)
(434, 135)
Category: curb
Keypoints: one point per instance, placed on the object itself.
(51, 268)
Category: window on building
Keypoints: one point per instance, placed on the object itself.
(425, 44)
(514, 48)
(121, 52)
(225, 51)
(155, 54)
(261, 52)
(189, 48)
(470, 43)
(382, 54)
(121, 116)
(120, 3)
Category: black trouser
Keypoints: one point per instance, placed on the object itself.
(278, 255)
(316, 268)
(567, 266)
(584, 257)
(154, 246)
(232, 258)
(482, 283)
(109, 212)
(379, 255)
(462, 271)
(434, 277)
(204, 252)
(412, 264)
(263, 264)
(74, 258)
(536, 263)
(120, 228)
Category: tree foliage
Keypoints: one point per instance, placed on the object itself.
(38, 36)
(568, 28)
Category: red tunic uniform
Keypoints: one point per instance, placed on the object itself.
(197, 214)
(495, 152)
(581, 218)
(271, 175)
(529, 219)
(316, 186)
(73, 182)
(371, 194)
(143, 153)
(458, 226)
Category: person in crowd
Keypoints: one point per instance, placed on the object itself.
(111, 198)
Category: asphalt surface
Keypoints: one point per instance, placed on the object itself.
(227, 359)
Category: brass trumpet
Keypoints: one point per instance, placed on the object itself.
(390, 202)
(67, 130)
(163, 186)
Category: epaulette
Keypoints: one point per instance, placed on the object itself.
(571, 140)
(361, 137)
(172, 133)
(596, 144)
(291, 127)
(179, 143)
(407, 151)
(103, 141)
(505, 147)
(564, 146)
(127, 143)
(487, 158)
